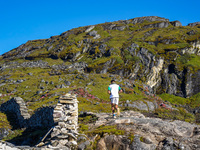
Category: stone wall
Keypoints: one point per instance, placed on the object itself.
(18, 116)
(65, 116)
(16, 111)
(63, 119)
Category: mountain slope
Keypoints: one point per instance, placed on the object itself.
(162, 54)
(156, 62)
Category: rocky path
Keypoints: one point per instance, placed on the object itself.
(149, 133)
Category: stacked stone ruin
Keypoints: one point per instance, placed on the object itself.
(64, 134)
(17, 107)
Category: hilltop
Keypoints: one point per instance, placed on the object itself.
(155, 61)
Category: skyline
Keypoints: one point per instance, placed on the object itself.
(22, 21)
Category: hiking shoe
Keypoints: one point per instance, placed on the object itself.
(118, 112)
(114, 116)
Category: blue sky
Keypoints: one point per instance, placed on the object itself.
(23, 20)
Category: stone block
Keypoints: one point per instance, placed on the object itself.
(62, 124)
(63, 142)
(64, 131)
(71, 127)
(62, 136)
(67, 102)
(57, 115)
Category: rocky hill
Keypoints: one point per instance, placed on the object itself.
(162, 54)
(155, 61)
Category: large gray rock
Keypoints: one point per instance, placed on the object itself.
(137, 105)
(89, 29)
(138, 144)
(157, 25)
(176, 23)
(193, 24)
(148, 18)
(93, 33)
(120, 28)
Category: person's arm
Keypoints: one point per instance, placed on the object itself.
(109, 92)
(120, 90)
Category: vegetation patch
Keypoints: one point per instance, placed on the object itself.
(101, 130)
(179, 114)
(4, 123)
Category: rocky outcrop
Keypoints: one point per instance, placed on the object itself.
(193, 83)
(30, 64)
(176, 23)
(154, 77)
(148, 133)
(193, 24)
(194, 49)
(148, 18)
(142, 105)
(157, 25)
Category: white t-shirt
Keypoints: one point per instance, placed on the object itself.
(114, 89)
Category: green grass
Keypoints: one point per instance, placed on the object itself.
(195, 100)
(14, 134)
(4, 123)
(101, 130)
(179, 114)
(174, 99)
(189, 61)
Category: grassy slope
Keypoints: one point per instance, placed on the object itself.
(117, 40)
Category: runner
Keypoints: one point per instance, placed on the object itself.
(114, 90)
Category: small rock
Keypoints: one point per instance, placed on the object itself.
(20, 81)
(30, 73)
(68, 83)
(39, 92)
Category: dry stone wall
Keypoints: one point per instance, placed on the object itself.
(19, 117)
(16, 110)
(65, 116)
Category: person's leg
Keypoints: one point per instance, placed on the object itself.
(112, 105)
(116, 106)
(113, 108)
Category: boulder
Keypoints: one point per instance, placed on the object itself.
(89, 29)
(176, 23)
(120, 28)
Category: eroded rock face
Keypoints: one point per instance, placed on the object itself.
(193, 83)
